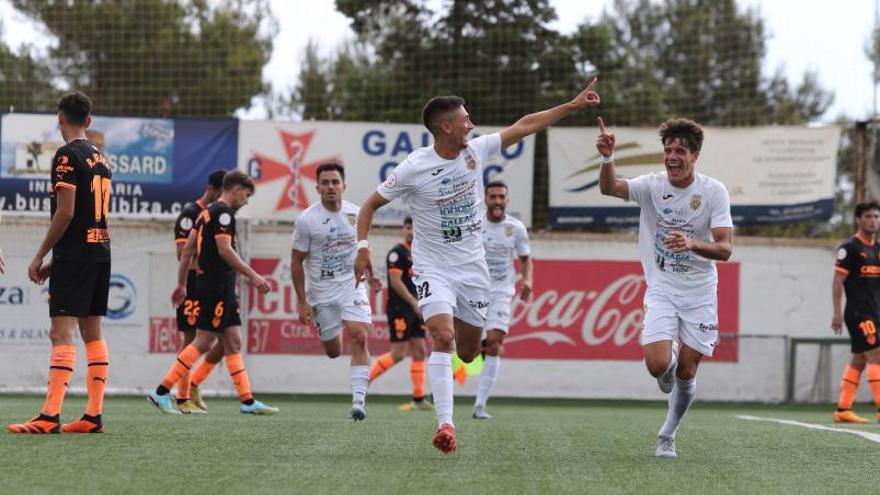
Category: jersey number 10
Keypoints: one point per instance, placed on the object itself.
(101, 191)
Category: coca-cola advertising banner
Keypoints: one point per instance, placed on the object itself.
(580, 310)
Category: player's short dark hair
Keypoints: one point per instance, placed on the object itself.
(237, 178)
(407, 220)
(495, 183)
(215, 180)
(76, 107)
(330, 167)
(436, 107)
(861, 208)
(685, 129)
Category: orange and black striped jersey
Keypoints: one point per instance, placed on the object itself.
(81, 167)
(399, 260)
(860, 261)
(214, 222)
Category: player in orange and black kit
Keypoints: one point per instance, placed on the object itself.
(189, 398)
(79, 272)
(405, 325)
(213, 241)
(857, 272)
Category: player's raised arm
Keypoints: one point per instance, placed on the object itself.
(535, 122)
(363, 264)
(609, 183)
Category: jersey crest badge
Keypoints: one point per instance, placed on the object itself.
(508, 231)
(471, 163)
(352, 219)
(696, 201)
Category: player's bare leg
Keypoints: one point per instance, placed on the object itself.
(357, 333)
(661, 360)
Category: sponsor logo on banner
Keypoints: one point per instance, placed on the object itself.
(594, 310)
(122, 297)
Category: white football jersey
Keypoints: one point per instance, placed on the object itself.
(695, 211)
(330, 238)
(504, 241)
(446, 201)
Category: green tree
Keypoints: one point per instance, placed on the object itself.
(159, 57)
(23, 80)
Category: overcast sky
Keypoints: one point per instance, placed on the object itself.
(803, 35)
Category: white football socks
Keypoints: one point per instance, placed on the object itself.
(440, 374)
(360, 379)
(683, 394)
(491, 367)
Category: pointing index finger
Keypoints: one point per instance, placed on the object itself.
(601, 125)
(592, 84)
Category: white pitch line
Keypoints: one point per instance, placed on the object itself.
(874, 437)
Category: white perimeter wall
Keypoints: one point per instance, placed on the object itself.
(784, 290)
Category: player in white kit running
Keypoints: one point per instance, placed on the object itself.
(443, 185)
(685, 225)
(504, 238)
(325, 236)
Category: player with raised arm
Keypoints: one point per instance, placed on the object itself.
(189, 399)
(79, 271)
(443, 185)
(857, 272)
(213, 242)
(504, 239)
(324, 238)
(406, 330)
(684, 227)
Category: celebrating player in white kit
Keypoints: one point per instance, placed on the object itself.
(685, 225)
(504, 238)
(443, 185)
(324, 236)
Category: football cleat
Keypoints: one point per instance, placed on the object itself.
(162, 402)
(357, 412)
(258, 408)
(480, 413)
(665, 448)
(444, 439)
(38, 425)
(847, 416)
(86, 424)
(195, 395)
(190, 407)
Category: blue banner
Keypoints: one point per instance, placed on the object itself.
(158, 165)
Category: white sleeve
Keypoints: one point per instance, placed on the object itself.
(522, 241)
(398, 183)
(721, 209)
(486, 147)
(301, 239)
(639, 188)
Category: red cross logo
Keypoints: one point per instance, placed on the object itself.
(293, 170)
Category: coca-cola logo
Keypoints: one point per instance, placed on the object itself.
(615, 313)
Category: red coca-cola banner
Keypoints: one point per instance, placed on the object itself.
(594, 310)
(582, 310)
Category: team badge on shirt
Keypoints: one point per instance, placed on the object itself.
(471, 163)
(508, 231)
(352, 219)
(696, 201)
